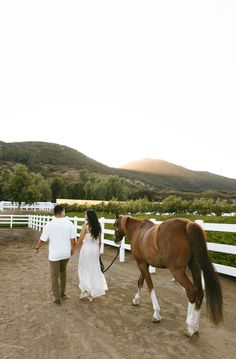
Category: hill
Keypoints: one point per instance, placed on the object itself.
(159, 167)
(47, 158)
(180, 177)
(51, 159)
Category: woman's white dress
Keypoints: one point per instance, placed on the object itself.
(91, 278)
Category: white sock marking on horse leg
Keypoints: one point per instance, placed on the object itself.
(137, 298)
(156, 306)
(192, 321)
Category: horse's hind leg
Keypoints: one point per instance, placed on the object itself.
(193, 315)
(156, 307)
(137, 296)
(197, 280)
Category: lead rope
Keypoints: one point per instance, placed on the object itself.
(102, 265)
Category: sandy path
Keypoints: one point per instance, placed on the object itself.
(32, 327)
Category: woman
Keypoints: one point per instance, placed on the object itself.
(91, 280)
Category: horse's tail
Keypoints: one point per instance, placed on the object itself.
(214, 300)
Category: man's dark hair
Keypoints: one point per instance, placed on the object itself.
(58, 209)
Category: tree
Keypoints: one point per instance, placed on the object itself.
(15, 189)
(24, 186)
(75, 190)
(172, 204)
(58, 188)
(43, 187)
(4, 181)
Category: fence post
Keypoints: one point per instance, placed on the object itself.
(11, 220)
(122, 251)
(199, 221)
(75, 222)
(40, 222)
(44, 221)
(102, 222)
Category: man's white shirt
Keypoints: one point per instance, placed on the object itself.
(59, 232)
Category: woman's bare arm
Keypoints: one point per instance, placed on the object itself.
(81, 237)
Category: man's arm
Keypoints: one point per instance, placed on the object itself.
(43, 238)
(38, 245)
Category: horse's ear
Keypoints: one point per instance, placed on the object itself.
(117, 215)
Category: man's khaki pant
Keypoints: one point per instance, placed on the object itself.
(58, 269)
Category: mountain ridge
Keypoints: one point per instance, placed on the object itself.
(52, 159)
(151, 165)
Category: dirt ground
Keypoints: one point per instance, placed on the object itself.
(109, 327)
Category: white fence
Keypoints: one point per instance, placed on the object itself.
(37, 222)
(37, 206)
(14, 220)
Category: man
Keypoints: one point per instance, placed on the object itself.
(61, 234)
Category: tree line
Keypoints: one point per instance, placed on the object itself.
(170, 205)
(22, 185)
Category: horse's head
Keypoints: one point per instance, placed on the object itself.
(119, 228)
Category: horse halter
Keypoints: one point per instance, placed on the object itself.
(118, 235)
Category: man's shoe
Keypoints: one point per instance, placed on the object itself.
(56, 301)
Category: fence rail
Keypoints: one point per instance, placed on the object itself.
(37, 206)
(37, 222)
(14, 220)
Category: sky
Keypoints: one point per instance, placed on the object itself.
(122, 80)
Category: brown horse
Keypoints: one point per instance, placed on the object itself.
(176, 244)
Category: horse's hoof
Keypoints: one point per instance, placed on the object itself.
(135, 304)
(156, 320)
(190, 333)
(187, 333)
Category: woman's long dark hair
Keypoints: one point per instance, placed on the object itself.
(94, 225)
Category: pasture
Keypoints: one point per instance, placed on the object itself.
(109, 327)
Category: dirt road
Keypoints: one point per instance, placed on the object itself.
(109, 327)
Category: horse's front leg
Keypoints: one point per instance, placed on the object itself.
(137, 296)
(156, 307)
